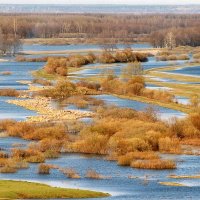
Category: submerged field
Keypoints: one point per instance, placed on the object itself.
(88, 127)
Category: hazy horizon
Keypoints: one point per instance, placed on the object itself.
(102, 2)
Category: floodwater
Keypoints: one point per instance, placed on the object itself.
(78, 47)
(191, 71)
(117, 180)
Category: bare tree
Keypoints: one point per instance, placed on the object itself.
(170, 41)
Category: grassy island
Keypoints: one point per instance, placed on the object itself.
(28, 190)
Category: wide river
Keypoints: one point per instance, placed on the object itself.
(118, 184)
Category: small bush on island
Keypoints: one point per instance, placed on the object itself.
(65, 89)
(9, 92)
(92, 174)
(135, 86)
(44, 169)
(196, 56)
(169, 145)
(171, 57)
(6, 73)
(8, 169)
(25, 59)
(60, 65)
(56, 65)
(156, 164)
(3, 155)
(126, 160)
(70, 173)
(42, 82)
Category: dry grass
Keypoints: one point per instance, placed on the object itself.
(24, 59)
(42, 82)
(127, 159)
(172, 184)
(92, 174)
(156, 164)
(6, 73)
(9, 92)
(135, 87)
(43, 169)
(172, 57)
(184, 176)
(169, 145)
(70, 173)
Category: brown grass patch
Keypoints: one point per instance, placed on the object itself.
(156, 164)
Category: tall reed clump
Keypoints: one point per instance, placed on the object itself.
(6, 73)
(70, 173)
(172, 57)
(9, 92)
(60, 65)
(124, 56)
(44, 169)
(156, 164)
(127, 159)
(92, 174)
(42, 82)
(135, 86)
(25, 59)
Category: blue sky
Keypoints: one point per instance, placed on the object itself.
(100, 1)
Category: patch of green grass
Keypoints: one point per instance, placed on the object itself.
(174, 106)
(28, 190)
(42, 74)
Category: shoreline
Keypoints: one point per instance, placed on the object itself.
(46, 112)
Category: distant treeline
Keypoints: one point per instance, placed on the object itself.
(185, 29)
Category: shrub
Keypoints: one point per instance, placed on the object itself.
(129, 157)
(62, 89)
(106, 57)
(24, 59)
(40, 158)
(3, 155)
(89, 85)
(92, 174)
(169, 145)
(42, 82)
(70, 173)
(195, 119)
(6, 73)
(94, 144)
(5, 124)
(9, 92)
(156, 164)
(132, 144)
(116, 112)
(183, 57)
(30, 155)
(196, 56)
(43, 169)
(8, 169)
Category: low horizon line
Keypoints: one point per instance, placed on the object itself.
(113, 4)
